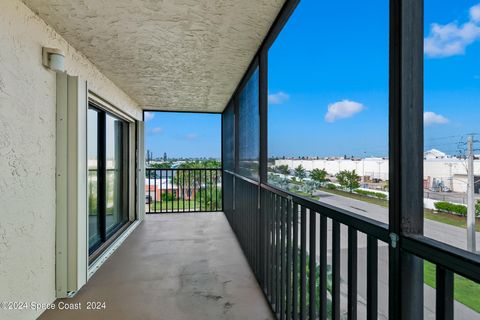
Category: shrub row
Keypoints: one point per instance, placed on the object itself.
(331, 186)
(451, 207)
(373, 194)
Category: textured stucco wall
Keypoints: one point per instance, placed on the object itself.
(27, 152)
(172, 54)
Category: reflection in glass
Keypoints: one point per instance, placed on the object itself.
(93, 216)
(116, 208)
(107, 148)
(229, 138)
(249, 128)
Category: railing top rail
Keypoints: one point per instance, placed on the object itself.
(180, 169)
(361, 223)
(459, 261)
(257, 183)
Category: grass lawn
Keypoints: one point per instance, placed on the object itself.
(428, 214)
(380, 202)
(449, 219)
(465, 291)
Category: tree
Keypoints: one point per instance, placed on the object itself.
(283, 169)
(319, 175)
(348, 179)
(200, 182)
(300, 172)
(278, 181)
(162, 165)
(309, 187)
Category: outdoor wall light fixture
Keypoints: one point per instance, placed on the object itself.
(53, 59)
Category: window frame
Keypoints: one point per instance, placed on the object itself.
(107, 237)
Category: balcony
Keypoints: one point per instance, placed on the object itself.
(185, 263)
(77, 82)
(174, 266)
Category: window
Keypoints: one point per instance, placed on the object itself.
(249, 128)
(107, 175)
(93, 178)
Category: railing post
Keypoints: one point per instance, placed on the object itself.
(406, 156)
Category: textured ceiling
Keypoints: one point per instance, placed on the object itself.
(170, 54)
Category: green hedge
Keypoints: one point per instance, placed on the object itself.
(331, 186)
(374, 194)
(451, 207)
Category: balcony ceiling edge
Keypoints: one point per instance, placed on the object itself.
(167, 55)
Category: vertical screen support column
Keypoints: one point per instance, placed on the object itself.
(406, 156)
(263, 103)
(263, 156)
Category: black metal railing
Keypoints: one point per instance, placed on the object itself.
(294, 246)
(183, 190)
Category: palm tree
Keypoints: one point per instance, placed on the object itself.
(300, 172)
(283, 169)
(319, 175)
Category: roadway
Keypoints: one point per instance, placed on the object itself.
(452, 235)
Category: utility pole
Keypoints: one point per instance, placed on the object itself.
(450, 165)
(379, 169)
(471, 244)
(363, 173)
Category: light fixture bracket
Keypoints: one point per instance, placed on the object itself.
(58, 61)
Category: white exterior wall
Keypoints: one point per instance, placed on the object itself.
(440, 169)
(373, 167)
(452, 172)
(27, 152)
(459, 183)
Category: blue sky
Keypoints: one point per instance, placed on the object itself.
(188, 135)
(328, 83)
(335, 54)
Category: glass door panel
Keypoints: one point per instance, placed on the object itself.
(107, 176)
(116, 208)
(94, 235)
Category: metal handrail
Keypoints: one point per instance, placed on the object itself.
(453, 258)
(364, 224)
(186, 193)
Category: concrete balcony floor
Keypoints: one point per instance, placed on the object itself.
(174, 267)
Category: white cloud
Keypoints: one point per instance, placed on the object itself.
(149, 116)
(343, 109)
(475, 13)
(278, 98)
(430, 118)
(157, 130)
(452, 39)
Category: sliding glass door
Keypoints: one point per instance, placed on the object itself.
(107, 176)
